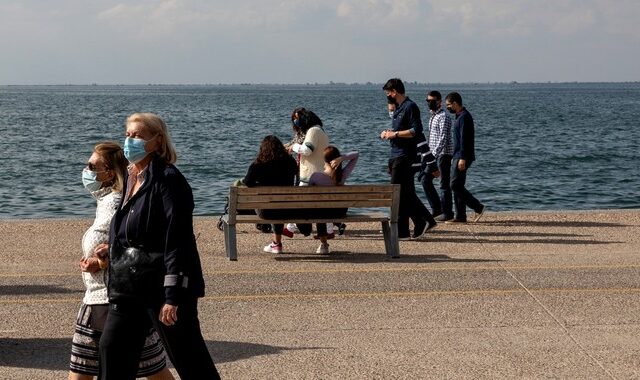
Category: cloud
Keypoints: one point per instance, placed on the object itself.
(506, 18)
(314, 40)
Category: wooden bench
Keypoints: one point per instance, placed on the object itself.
(305, 197)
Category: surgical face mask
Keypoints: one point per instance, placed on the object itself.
(450, 110)
(433, 105)
(391, 99)
(90, 180)
(391, 114)
(134, 149)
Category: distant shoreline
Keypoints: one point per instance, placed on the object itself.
(409, 83)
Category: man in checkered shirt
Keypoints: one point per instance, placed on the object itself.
(442, 148)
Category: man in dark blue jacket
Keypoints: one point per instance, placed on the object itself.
(463, 157)
(406, 125)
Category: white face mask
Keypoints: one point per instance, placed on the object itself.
(90, 181)
(391, 114)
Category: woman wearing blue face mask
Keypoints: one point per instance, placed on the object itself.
(104, 178)
(155, 276)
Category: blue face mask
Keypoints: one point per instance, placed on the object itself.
(90, 180)
(134, 149)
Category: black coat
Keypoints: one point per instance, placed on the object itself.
(159, 218)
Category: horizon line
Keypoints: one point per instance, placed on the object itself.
(330, 83)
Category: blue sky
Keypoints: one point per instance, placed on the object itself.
(307, 41)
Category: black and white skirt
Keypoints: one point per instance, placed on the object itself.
(86, 340)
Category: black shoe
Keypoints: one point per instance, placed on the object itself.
(419, 229)
(341, 229)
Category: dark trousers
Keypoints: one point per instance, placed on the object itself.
(411, 206)
(125, 331)
(461, 196)
(440, 203)
(305, 229)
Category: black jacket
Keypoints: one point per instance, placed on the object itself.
(463, 133)
(159, 218)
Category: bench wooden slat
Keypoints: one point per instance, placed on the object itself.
(379, 217)
(316, 189)
(312, 197)
(295, 205)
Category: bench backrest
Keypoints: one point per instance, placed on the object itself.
(299, 197)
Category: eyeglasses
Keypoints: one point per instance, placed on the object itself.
(94, 168)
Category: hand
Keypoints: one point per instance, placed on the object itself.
(168, 314)
(89, 265)
(436, 173)
(462, 165)
(102, 251)
(383, 134)
(336, 162)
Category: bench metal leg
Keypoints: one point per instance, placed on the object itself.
(391, 244)
(230, 242)
(393, 249)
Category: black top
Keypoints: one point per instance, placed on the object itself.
(280, 172)
(406, 117)
(463, 137)
(159, 219)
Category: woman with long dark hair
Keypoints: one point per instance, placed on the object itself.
(273, 166)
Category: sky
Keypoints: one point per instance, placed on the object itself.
(309, 41)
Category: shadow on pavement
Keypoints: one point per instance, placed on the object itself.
(34, 289)
(366, 258)
(53, 353)
(448, 236)
(549, 223)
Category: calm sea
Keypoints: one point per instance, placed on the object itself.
(539, 146)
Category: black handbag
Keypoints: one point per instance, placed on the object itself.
(135, 274)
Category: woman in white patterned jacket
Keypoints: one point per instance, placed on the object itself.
(103, 177)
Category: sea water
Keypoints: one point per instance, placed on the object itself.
(538, 146)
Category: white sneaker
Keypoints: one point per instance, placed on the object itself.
(329, 228)
(323, 249)
(273, 248)
(292, 227)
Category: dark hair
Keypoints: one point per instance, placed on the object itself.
(435, 94)
(330, 154)
(306, 120)
(271, 149)
(454, 97)
(394, 84)
(296, 129)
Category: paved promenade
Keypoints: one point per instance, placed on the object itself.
(517, 295)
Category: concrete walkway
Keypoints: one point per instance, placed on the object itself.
(517, 295)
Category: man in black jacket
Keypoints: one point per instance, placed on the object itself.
(406, 125)
(463, 157)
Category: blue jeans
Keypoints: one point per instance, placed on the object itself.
(442, 203)
(461, 196)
